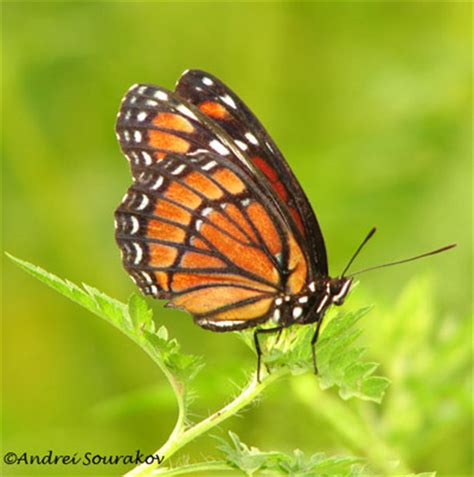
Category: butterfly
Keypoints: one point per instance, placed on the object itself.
(215, 221)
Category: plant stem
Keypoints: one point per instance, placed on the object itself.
(178, 387)
(217, 465)
(180, 436)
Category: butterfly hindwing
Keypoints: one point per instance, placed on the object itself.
(196, 230)
(218, 102)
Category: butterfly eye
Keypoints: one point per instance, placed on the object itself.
(337, 295)
(335, 288)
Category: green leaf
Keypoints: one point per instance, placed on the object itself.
(247, 459)
(90, 298)
(340, 363)
(134, 320)
(140, 313)
(183, 366)
(251, 460)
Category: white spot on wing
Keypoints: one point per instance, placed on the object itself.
(179, 169)
(151, 102)
(221, 324)
(197, 152)
(312, 286)
(251, 138)
(157, 183)
(135, 225)
(219, 147)
(147, 158)
(139, 253)
(278, 301)
(206, 211)
(147, 277)
(241, 145)
(207, 81)
(198, 224)
(209, 165)
(303, 299)
(141, 116)
(161, 95)
(229, 101)
(137, 135)
(186, 111)
(144, 202)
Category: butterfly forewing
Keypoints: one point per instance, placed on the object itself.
(153, 122)
(218, 102)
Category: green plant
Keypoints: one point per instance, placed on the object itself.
(340, 365)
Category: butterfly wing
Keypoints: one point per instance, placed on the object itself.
(195, 228)
(221, 104)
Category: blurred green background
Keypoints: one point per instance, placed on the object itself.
(370, 103)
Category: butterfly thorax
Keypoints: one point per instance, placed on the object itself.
(310, 305)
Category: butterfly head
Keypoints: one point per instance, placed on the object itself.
(338, 288)
(311, 305)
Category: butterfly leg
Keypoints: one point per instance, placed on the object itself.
(257, 345)
(314, 339)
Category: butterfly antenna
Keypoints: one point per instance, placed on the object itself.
(398, 262)
(369, 235)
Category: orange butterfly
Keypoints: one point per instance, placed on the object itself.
(215, 221)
